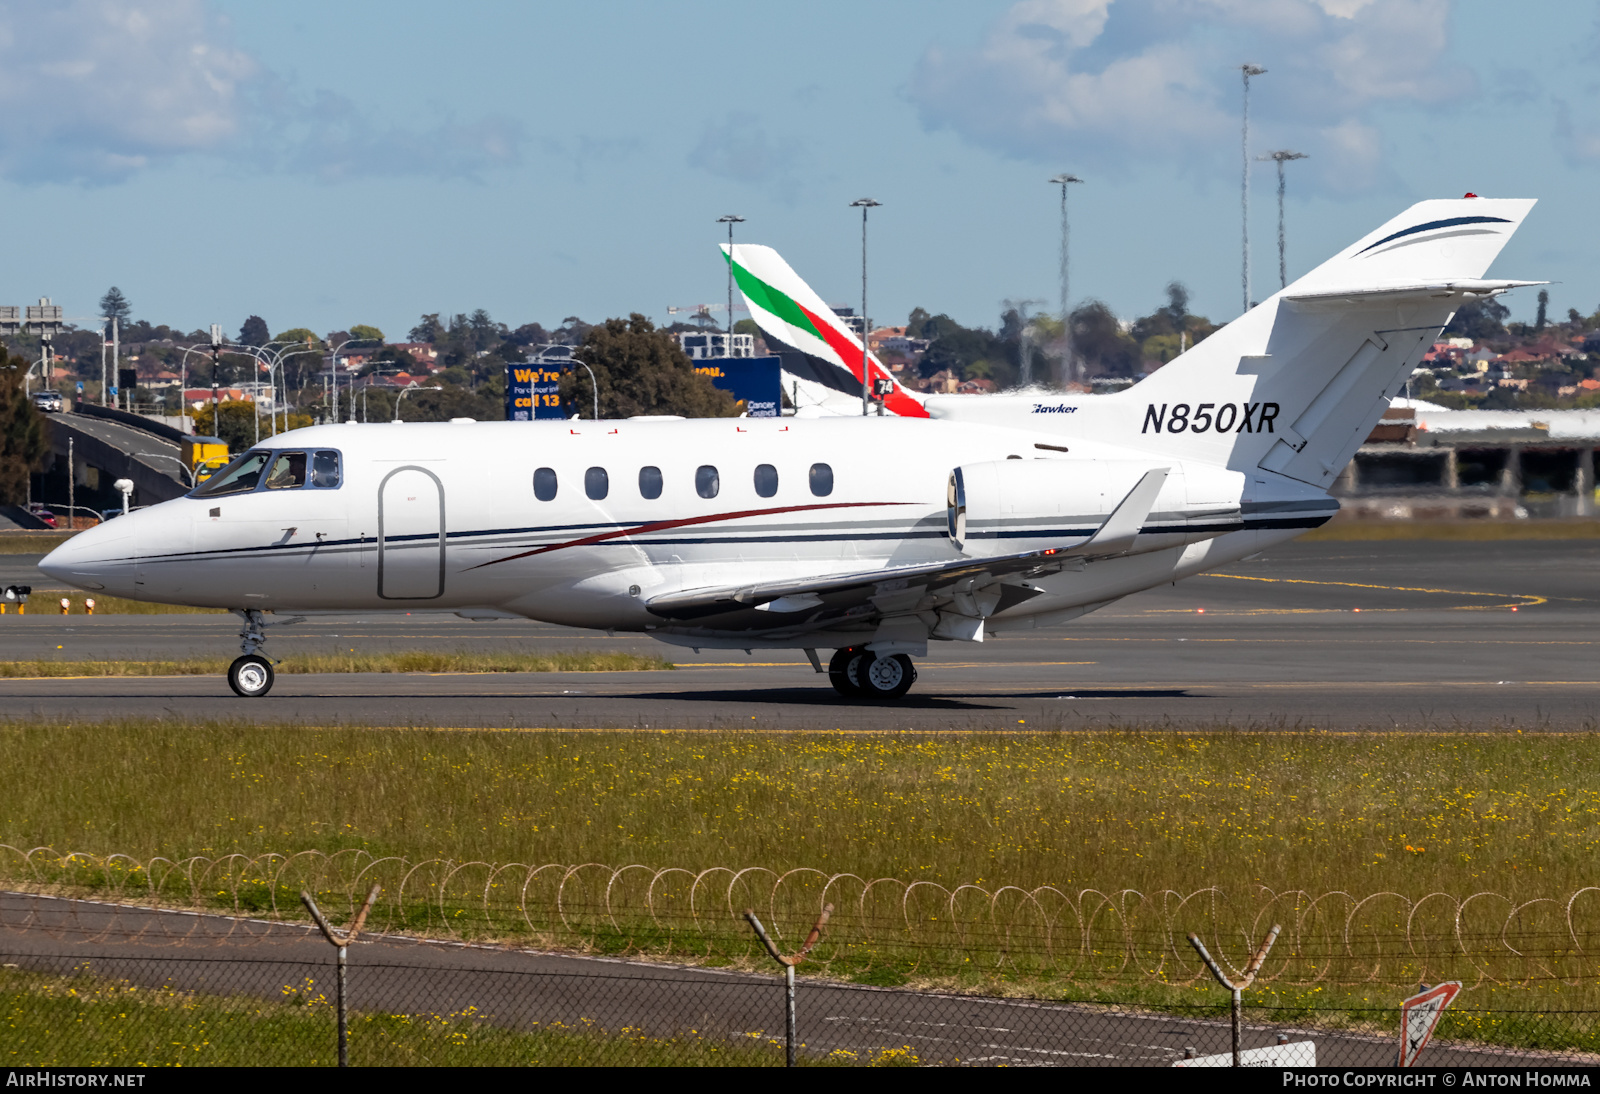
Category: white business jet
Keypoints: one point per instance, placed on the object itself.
(948, 520)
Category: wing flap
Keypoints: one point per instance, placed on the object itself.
(821, 602)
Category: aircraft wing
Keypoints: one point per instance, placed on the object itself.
(971, 588)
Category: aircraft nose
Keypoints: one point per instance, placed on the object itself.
(96, 558)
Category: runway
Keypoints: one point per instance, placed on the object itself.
(1399, 634)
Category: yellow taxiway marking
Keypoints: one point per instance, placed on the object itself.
(1520, 600)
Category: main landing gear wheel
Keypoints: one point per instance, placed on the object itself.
(885, 677)
(250, 676)
(856, 673)
(844, 681)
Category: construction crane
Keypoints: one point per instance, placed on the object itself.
(701, 313)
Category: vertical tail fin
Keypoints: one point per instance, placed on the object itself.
(822, 351)
(1296, 384)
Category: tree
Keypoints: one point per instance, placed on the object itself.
(429, 329)
(640, 370)
(1544, 306)
(366, 333)
(1479, 319)
(113, 305)
(299, 334)
(254, 332)
(1098, 338)
(23, 440)
(237, 426)
(1177, 308)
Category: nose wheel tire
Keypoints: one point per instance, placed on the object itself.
(250, 676)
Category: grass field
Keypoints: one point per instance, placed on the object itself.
(1512, 815)
(401, 661)
(1364, 812)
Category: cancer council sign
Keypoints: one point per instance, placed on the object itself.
(532, 392)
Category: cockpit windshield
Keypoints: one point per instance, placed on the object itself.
(266, 470)
(239, 477)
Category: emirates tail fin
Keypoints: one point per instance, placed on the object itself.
(822, 358)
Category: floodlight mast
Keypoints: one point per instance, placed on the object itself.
(1281, 157)
(866, 376)
(1064, 180)
(730, 220)
(1248, 70)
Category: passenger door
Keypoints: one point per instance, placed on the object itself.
(411, 535)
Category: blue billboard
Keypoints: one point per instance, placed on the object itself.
(754, 381)
(533, 391)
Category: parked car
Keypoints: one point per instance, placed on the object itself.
(43, 514)
(49, 401)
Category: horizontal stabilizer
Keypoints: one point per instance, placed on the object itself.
(1421, 290)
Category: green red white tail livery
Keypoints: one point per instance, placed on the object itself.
(788, 311)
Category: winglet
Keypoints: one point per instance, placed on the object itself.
(1117, 534)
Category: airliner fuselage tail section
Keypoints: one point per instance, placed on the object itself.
(870, 536)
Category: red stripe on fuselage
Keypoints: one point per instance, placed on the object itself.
(850, 353)
(665, 525)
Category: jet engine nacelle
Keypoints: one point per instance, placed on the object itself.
(1006, 506)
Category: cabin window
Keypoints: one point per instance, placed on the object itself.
(707, 483)
(325, 470)
(596, 483)
(544, 484)
(821, 479)
(650, 482)
(239, 477)
(288, 471)
(766, 480)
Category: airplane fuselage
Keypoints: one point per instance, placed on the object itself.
(583, 523)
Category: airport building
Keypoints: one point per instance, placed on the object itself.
(1432, 463)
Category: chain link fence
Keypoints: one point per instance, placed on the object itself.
(220, 1009)
(473, 963)
(123, 1001)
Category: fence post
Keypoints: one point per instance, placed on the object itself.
(788, 963)
(341, 943)
(1237, 989)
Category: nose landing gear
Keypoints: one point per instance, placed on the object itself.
(858, 673)
(251, 675)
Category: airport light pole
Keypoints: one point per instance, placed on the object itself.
(333, 372)
(1064, 180)
(866, 374)
(1248, 70)
(1281, 157)
(730, 220)
(402, 395)
(594, 385)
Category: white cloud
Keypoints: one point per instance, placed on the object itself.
(738, 148)
(1103, 84)
(94, 91)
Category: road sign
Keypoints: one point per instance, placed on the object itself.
(1418, 1017)
(1293, 1054)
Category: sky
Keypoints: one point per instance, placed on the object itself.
(322, 165)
